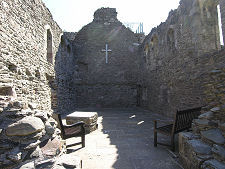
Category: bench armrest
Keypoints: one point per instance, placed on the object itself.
(81, 123)
(165, 124)
(168, 121)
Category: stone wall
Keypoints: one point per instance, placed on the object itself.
(23, 40)
(29, 41)
(173, 57)
(106, 95)
(111, 84)
(66, 73)
(205, 146)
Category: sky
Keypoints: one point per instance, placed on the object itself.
(72, 15)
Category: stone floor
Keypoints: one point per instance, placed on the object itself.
(124, 140)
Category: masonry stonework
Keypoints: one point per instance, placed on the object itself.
(29, 42)
(111, 84)
(178, 65)
(173, 57)
(24, 40)
(205, 146)
(66, 74)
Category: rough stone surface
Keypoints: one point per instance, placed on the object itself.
(213, 164)
(25, 126)
(219, 151)
(174, 60)
(95, 82)
(210, 125)
(199, 147)
(52, 148)
(15, 155)
(207, 115)
(24, 51)
(213, 135)
(178, 65)
(222, 127)
(30, 43)
(89, 118)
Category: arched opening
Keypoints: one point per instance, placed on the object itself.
(171, 39)
(211, 20)
(49, 47)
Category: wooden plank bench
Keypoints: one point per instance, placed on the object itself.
(182, 121)
(73, 130)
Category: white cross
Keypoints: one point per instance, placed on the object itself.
(106, 50)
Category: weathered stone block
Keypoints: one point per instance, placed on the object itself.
(222, 126)
(32, 145)
(183, 138)
(208, 115)
(41, 114)
(219, 151)
(215, 109)
(89, 118)
(25, 126)
(52, 147)
(49, 128)
(214, 136)
(199, 147)
(15, 155)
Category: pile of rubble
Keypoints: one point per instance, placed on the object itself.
(29, 138)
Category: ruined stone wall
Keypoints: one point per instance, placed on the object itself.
(205, 146)
(106, 84)
(23, 41)
(173, 57)
(29, 42)
(66, 74)
(106, 95)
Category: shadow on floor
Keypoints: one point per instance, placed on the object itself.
(124, 140)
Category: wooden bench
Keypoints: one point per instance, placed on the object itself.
(182, 121)
(72, 130)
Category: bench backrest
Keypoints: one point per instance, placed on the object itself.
(58, 118)
(184, 118)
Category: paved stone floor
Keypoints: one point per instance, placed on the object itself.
(124, 140)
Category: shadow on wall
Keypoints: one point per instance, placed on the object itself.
(66, 73)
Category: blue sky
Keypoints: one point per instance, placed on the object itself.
(72, 15)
